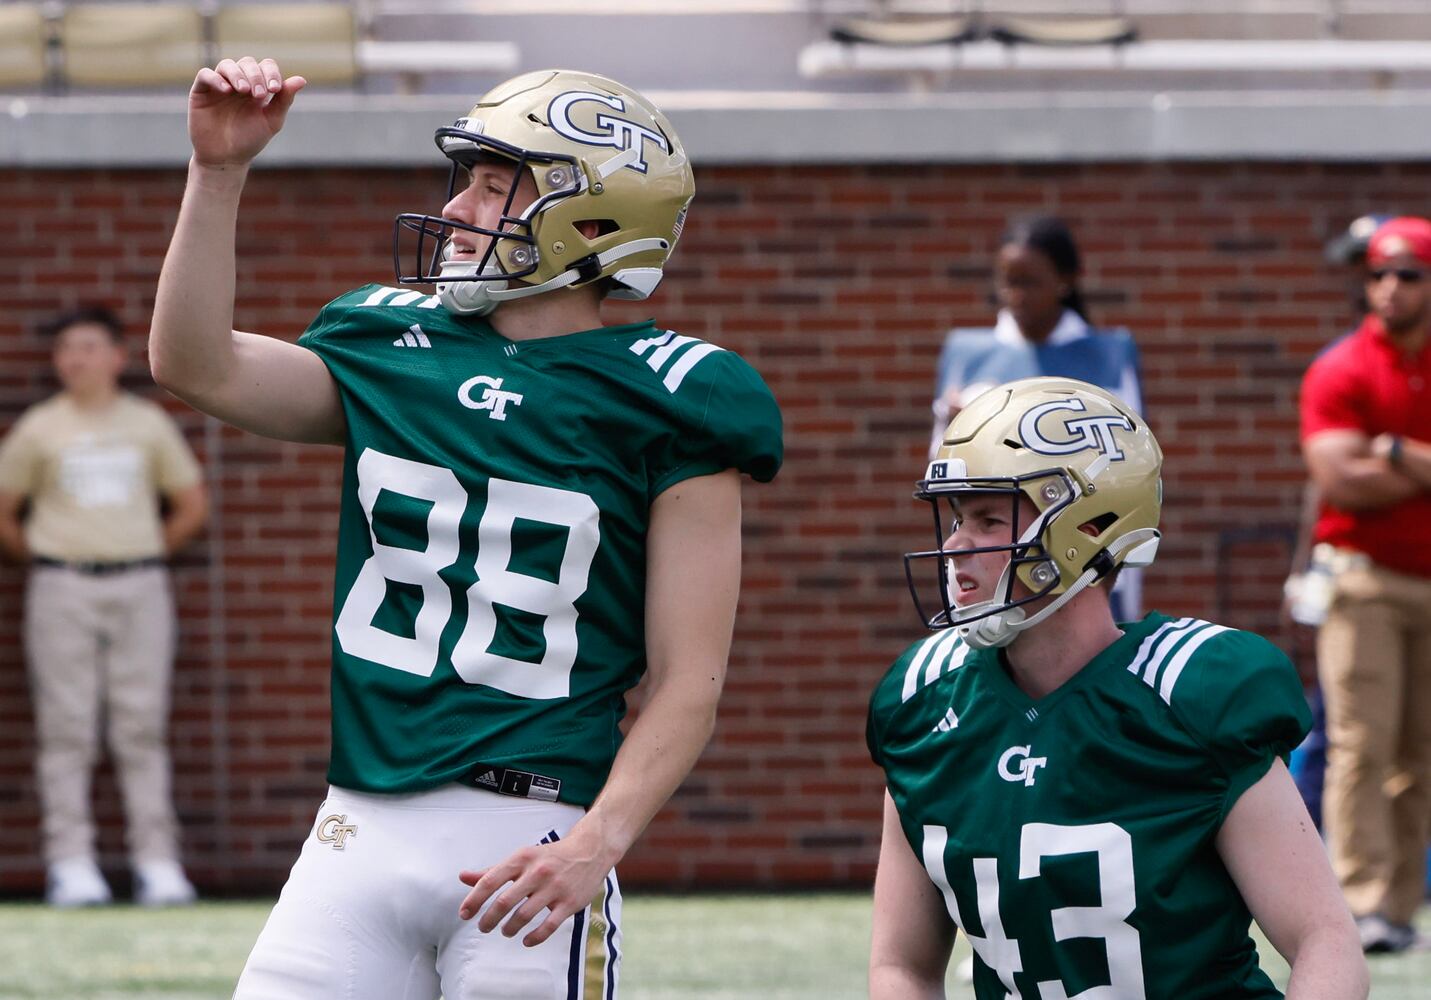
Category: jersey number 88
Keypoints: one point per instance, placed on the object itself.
(507, 500)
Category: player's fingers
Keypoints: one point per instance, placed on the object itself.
(236, 78)
(272, 78)
(523, 915)
(499, 907)
(482, 889)
(545, 929)
(485, 887)
(248, 65)
(209, 82)
(283, 100)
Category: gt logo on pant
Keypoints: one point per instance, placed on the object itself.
(1027, 766)
(336, 830)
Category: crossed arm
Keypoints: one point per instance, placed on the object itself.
(1355, 472)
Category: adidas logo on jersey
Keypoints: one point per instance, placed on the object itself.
(488, 779)
(949, 722)
(413, 337)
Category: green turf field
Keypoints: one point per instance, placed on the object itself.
(779, 947)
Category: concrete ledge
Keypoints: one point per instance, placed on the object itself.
(731, 127)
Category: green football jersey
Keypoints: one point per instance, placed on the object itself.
(1073, 836)
(489, 601)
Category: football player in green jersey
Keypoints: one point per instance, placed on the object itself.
(537, 511)
(1101, 808)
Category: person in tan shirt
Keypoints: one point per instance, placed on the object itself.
(82, 475)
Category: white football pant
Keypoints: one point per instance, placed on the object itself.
(370, 909)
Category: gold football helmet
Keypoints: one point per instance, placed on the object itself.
(1092, 470)
(599, 152)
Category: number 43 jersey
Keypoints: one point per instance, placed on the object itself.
(1072, 837)
(490, 587)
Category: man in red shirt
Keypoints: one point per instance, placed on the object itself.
(1366, 438)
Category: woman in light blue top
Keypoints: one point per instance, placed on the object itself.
(1042, 329)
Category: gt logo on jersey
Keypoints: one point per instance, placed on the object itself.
(1065, 436)
(618, 133)
(1017, 764)
(336, 830)
(494, 398)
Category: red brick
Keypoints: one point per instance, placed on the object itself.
(1215, 267)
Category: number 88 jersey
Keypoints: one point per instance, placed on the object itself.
(1072, 837)
(490, 584)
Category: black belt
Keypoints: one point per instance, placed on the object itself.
(506, 781)
(98, 568)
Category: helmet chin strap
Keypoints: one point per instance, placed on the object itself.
(1003, 627)
(480, 298)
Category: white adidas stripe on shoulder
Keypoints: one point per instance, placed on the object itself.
(940, 653)
(668, 345)
(388, 296)
(1162, 656)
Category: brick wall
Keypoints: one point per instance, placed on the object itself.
(836, 282)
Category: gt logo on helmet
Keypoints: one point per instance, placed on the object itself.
(618, 132)
(1075, 435)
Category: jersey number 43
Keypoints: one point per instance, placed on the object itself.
(1113, 848)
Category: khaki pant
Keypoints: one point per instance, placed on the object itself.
(100, 652)
(1374, 652)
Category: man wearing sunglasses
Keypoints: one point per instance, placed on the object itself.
(1366, 438)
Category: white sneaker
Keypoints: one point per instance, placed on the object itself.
(76, 882)
(162, 883)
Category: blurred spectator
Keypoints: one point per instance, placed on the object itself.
(1308, 588)
(81, 476)
(1042, 328)
(1349, 251)
(1366, 437)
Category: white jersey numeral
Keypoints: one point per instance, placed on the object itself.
(356, 632)
(496, 584)
(507, 501)
(1108, 921)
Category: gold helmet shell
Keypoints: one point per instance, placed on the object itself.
(1086, 461)
(598, 151)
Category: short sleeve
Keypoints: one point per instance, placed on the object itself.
(331, 316)
(725, 418)
(175, 467)
(894, 690)
(19, 460)
(1243, 701)
(1331, 396)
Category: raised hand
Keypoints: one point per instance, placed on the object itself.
(236, 108)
